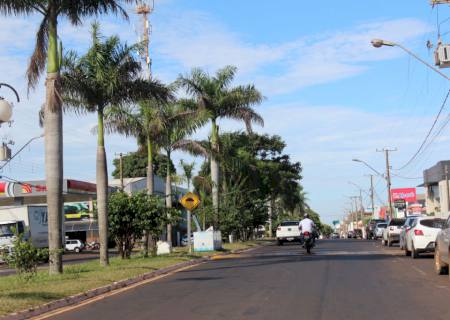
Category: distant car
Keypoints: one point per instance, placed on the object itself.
(442, 249)
(409, 222)
(422, 234)
(358, 234)
(335, 235)
(351, 235)
(288, 231)
(74, 245)
(379, 228)
(370, 228)
(184, 240)
(392, 232)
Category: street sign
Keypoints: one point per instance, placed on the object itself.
(190, 201)
(400, 203)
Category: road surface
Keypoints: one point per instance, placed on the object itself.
(342, 279)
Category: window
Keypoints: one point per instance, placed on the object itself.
(433, 223)
(289, 223)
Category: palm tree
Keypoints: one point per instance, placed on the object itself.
(103, 81)
(48, 53)
(179, 122)
(188, 169)
(218, 100)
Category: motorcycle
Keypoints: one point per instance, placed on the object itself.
(93, 245)
(308, 241)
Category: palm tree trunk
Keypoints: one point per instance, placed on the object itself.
(169, 197)
(150, 187)
(102, 192)
(215, 173)
(54, 150)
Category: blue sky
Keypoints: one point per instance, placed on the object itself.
(330, 95)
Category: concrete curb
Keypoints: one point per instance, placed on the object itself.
(75, 299)
(78, 298)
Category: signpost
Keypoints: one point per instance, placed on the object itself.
(190, 201)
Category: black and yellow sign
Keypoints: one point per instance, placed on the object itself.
(190, 201)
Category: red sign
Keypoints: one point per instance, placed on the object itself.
(407, 194)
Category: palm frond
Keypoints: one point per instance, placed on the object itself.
(38, 59)
(193, 147)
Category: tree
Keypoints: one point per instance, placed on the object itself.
(218, 100)
(104, 81)
(48, 53)
(188, 169)
(135, 165)
(130, 215)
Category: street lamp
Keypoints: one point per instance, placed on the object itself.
(370, 167)
(5, 106)
(378, 43)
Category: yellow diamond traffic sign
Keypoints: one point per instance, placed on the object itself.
(190, 201)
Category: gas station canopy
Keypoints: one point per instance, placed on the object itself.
(35, 192)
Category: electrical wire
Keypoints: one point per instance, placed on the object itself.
(428, 134)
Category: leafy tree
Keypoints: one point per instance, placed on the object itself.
(218, 100)
(48, 53)
(104, 81)
(135, 165)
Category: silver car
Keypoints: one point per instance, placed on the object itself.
(442, 249)
(379, 228)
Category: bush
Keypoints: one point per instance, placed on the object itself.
(25, 257)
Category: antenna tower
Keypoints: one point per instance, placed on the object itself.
(144, 9)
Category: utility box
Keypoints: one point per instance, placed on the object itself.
(207, 241)
(442, 56)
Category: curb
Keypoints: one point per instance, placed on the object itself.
(75, 299)
(80, 297)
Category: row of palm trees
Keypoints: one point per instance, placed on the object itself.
(107, 81)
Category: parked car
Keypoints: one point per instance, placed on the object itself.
(421, 236)
(351, 235)
(184, 240)
(335, 235)
(392, 232)
(410, 220)
(370, 228)
(358, 234)
(379, 228)
(288, 231)
(74, 245)
(442, 249)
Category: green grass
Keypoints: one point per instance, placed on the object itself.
(17, 294)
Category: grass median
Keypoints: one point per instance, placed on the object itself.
(17, 294)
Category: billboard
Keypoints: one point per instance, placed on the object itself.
(407, 194)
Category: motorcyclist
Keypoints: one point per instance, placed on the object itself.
(307, 225)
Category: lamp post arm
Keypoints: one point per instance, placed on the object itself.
(20, 150)
(373, 169)
(420, 59)
(14, 90)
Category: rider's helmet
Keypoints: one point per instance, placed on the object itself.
(306, 216)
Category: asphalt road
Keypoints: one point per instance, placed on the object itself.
(342, 279)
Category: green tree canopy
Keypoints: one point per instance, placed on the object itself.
(135, 165)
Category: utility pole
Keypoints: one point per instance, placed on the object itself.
(388, 178)
(447, 188)
(371, 195)
(121, 170)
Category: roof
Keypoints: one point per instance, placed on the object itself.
(436, 173)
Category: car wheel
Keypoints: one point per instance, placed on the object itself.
(77, 250)
(279, 242)
(414, 252)
(439, 267)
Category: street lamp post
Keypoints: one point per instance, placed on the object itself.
(5, 106)
(378, 43)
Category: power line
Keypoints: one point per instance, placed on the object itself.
(428, 134)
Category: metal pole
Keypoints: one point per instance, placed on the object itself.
(388, 176)
(371, 195)
(189, 231)
(447, 187)
(121, 171)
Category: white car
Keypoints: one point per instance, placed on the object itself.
(410, 220)
(378, 231)
(74, 245)
(392, 232)
(288, 231)
(442, 250)
(421, 237)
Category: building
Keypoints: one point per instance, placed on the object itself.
(436, 189)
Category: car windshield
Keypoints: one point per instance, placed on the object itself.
(289, 223)
(382, 225)
(397, 222)
(433, 223)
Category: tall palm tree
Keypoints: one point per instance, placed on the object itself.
(180, 121)
(48, 53)
(215, 96)
(103, 81)
(188, 169)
